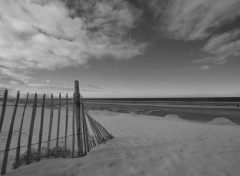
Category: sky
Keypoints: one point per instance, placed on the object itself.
(121, 48)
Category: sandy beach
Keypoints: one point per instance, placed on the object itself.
(150, 145)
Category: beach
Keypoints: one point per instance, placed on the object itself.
(151, 145)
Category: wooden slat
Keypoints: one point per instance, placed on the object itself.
(41, 128)
(103, 140)
(84, 130)
(66, 128)
(31, 130)
(50, 126)
(99, 139)
(94, 144)
(108, 134)
(102, 131)
(58, 123)
(3, 108)
(5, 158)
(73, 128)
(77, 114)
(87, 131)
(98, 132)
(19, 135)
(93, 129)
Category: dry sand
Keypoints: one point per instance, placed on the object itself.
(148, 145)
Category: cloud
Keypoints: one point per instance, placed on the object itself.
(15, 75)
(40, 34)
(196, 19)
(222, 47)
(204, 67)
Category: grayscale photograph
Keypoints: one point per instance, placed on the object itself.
(120, 87)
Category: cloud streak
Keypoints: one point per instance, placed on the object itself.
(222, 48)
(197, 19)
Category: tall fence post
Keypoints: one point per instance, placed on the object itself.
(5, 158)
(31, 129)
(19, 135)
(78, 120)
(3, 108)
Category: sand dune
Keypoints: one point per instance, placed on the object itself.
(221, 121)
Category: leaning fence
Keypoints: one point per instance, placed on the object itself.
(32, 124)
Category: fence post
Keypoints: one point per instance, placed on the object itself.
(58, 124)
(5, 158)
(31, 129)
(3, 108)
(66, 128)
(78, 120)
(19, 135)
(73, 127)
(50, 126)
(41, 128)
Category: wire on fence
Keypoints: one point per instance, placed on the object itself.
(38, 105)
(46, 141)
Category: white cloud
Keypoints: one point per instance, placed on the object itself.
(13, 82)
(40, 34)
(217, 41)
(204, 67)
(16, 75)
(192, 19)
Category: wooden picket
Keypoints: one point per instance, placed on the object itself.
(58, 123)
(19, 134)
(73, 128)
(41, 128)
(3, 108)
(66, 128)
(50, 127)
(31, 129)
(5, 158)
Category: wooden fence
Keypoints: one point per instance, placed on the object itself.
(82, 124)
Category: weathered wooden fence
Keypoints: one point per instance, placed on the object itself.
(82, 124)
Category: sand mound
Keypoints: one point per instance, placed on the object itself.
(173, 117)
(221, 121)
